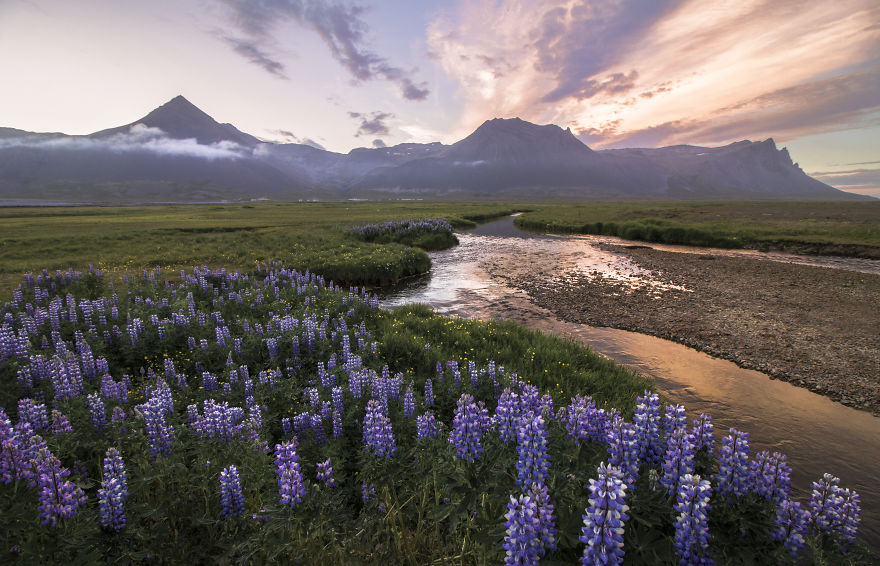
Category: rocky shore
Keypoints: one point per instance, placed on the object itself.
(815, 327)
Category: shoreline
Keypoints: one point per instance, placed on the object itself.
(814, 327)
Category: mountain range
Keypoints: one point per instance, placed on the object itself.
(178, 153)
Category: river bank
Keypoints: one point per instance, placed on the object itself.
(815, 327)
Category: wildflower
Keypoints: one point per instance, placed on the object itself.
(835, 511)
(33, 413)
(467, 429)
(325, 473)
(378, 434)
(113, 492)
(691, 525)
(231, 497)
(290, 480)
(704, 434)
(426, 426)
(678, 460)
(408, 402)
(429, 392)
(159, 433)
(791, 526)
(646, 420)
(368, 492)
(97, 411)
(770, 476)
(733, 459)
(673, 419)
(623, 448)
(507, 415)
(522, 541)
(532, 464)
(59, 498)
(546, 519)
(603, 522)
(60, 423)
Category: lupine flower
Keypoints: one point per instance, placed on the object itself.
(118, 414)
(368, 492)
(733, 464)
(647, 422)
(97, 411)
(691, 525)
(704, 433)
(833, 510)
(678, 460)
(33, 413)
(378, 434)
(771, 476)
(523, 540)
(113, 492)
(290, 480)
(849, 517)
(338, 399)
(159, 433)
(673, 419)
(791, 526)
(325, 473)
(532, 465)
(507, 415)
(429, 392)
(546, 519)
(59, 498)
(60, 423)
(337, 424)
(231, 497)
(318, 429)
(580, 421)
(467, 428)
(409, 408)
(426, 426)
(603, 522)
(623, 449)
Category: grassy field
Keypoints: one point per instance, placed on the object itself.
(824, 228)
(303, 236)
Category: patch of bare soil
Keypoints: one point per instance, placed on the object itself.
(815, 327)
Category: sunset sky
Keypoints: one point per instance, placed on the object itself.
(347, 74)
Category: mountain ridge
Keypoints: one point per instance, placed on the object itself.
(178, 152)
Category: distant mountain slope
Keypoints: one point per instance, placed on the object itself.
(178, 153)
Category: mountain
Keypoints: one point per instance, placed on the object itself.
(178, 153)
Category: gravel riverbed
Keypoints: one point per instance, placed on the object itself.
(815, 327)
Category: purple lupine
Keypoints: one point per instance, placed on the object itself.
(791, 526)
(546, 519)
(60, 423)
(231, 496)
(468, 425)
(429, 393)
(59, 497)
(318, 429)
(14, 460)
(733, 464)
(113, 492)
(577, 419)
(647, 423)
(623, 449)
(97, 411)
(674, 418)
(692, 523)
(325, 473)
(368, 492)
(507, 415)
(833, 510)
(426, 426)
(522, 541)
(33, 413)
(409, 407)
(118, 415)
(704, 434)
(848, 518)
(532, 465)
(377, 431)
(603, 520)
(159, 433)
(290, 480)
(771, 476)
(338, 399)
(337, 424)
(678, 460)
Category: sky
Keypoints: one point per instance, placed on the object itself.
(345, 74)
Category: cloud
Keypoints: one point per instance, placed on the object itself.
(671, 71)
(339, 24)
(372, 124)
(866, 180)
(138, 139)
(251, 51)
(285, 136)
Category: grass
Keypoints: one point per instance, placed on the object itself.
(305, 236)
(822, 228)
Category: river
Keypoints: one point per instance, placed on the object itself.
(817, 435)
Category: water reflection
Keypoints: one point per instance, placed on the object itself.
(817, 434)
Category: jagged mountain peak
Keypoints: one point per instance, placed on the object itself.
(516, 140)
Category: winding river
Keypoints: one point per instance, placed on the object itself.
(817, 434)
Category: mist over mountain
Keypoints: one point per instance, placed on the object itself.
(178, 153)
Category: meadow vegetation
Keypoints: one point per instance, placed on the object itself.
(832, 228)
